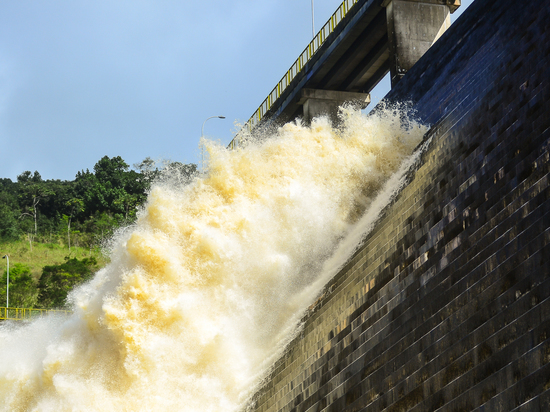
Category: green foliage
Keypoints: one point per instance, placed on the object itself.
(58, 280)
(47, 254)
(71, 215)
(32, 191)
(9, 210)
(27, 178)
(23, 291)
(9, 226)
(112, 192)
(182, 172)
(111, 188)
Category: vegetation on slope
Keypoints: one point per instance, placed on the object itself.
(53, 230)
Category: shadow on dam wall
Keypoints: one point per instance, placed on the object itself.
(446, 305)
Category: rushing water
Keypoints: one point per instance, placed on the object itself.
(203, 292)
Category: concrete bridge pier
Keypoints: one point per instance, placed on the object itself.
(413, 26)
(317, 102)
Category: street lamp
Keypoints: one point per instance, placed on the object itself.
(312, 21)
(8, 282)
(202, 135)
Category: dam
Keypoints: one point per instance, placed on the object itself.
(396, 261)
(445, 305)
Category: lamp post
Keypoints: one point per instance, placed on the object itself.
(202, 135)
(312, 21)
(8, 281)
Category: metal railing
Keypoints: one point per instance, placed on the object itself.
(26, 313)
(296, 68)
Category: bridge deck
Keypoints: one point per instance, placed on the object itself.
(350, 53)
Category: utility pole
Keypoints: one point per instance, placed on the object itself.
(312, 21)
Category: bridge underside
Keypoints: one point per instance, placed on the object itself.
(354, 59)
(374, 38)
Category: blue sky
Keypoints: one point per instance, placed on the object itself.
(83, 79)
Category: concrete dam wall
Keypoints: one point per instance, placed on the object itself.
(446, 306)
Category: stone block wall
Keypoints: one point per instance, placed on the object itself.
(446, 306)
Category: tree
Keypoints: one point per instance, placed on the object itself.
(102, 225)
(32, 191)
(184, 173)
(58, 280)
(148, 171)
(75, 206)
(9, 227)
(23, 292)
(112, 188)
(127, 202)
(9, 210)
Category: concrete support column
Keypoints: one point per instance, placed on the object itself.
(318, 102)
(413, 26)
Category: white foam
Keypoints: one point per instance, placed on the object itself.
(204, 291)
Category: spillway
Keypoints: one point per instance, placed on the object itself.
(445, 305)
(206, 289)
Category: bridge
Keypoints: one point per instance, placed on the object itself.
(361, 42)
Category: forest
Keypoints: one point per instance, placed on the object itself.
(52, 232)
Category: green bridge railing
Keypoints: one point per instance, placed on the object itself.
(26, 313)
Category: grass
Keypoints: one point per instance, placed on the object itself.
(45, 254)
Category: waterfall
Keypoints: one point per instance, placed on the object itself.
(207, 287)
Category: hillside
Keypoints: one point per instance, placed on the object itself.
(53, 231)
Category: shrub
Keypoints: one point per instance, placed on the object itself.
(58, 280)
(23, 292)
